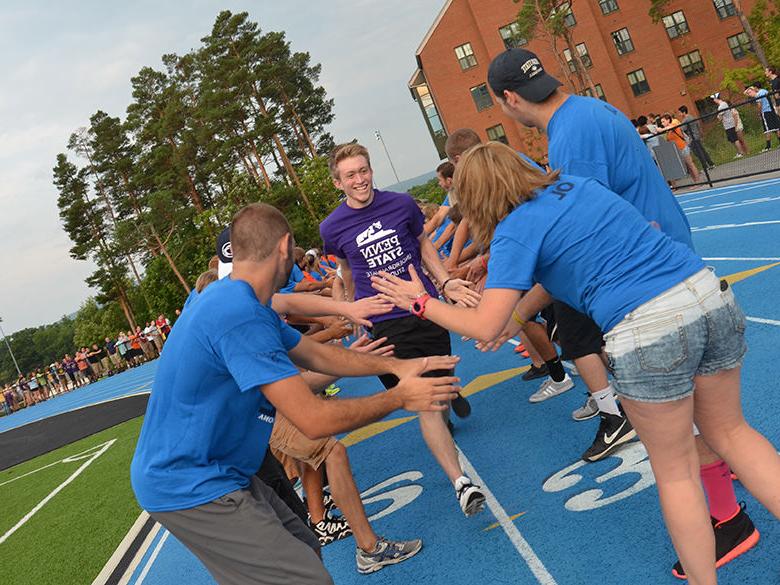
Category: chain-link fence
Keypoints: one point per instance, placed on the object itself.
(730, 141)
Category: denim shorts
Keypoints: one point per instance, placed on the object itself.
(693, 329)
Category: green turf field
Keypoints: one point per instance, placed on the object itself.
(97, 505)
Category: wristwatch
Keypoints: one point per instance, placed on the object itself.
(417, 308)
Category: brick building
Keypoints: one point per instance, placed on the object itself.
(636, 65)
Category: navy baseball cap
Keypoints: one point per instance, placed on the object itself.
(224, 253)
(521, 71)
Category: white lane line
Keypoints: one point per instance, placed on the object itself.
(139, 555)
(730, 189)
(523, 548)
(152, 558)
(103, 448)
(725, 226)
(742, 258)
(120, 551)
(728, 205)
(764, 321)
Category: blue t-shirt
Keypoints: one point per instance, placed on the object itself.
(590, 138)
(207, 423)
(588, 248)
(296, 276)
(447, 246)
(191, 298)
(764, 101)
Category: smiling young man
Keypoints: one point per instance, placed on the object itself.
(374, 231)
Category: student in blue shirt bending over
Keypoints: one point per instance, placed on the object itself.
(229, 362)
(592, 249)
(590, 138)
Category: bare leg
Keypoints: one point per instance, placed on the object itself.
(593, 372)
(311, 479)
(439, 441)
(537, 335)
(347, 497)
(667, 432)
(720, 420)
(536, 359)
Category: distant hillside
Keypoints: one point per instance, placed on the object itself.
(404, 186)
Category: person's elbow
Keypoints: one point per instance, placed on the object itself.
(314, 429)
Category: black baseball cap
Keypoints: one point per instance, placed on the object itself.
(522, 72)
(224, 253)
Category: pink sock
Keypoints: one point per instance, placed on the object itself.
(716, 479)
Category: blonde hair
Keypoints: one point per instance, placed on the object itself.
(491, 180)
(206, 279)
(343, 152)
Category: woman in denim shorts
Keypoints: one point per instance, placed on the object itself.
(674, 332)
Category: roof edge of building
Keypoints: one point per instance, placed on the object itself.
(433, 26)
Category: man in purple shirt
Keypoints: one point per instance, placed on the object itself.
(374, 231)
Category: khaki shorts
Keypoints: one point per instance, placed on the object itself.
(288, 440)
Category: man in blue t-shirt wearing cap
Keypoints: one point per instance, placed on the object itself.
(590, 138)
(229, 363)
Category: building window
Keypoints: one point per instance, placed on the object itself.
(622, 41)
(638, 82)
(497, 133)
(429, 108)
(584, 57)
(511, 36)
(599, 92)
(568, 16)
(740, 45)
(676, 25)
(481, 97)
(724, 8)
(608, 6)
(691, 64)
(465, 55)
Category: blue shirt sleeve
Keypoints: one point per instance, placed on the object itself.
(290, 337)
(511, 264)
(255, 352)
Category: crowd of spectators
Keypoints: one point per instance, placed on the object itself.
(86, 365)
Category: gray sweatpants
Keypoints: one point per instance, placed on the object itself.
(249, 537)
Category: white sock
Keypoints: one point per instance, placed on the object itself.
(461, 481)
(605, 399)
(696, 432)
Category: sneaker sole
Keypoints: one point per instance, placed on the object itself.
(582, 418)
(475, 506)
(737, 551)
(547, 396)
(624, 439)
(378, 566)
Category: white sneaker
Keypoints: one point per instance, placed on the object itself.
(470, 496)
(587, 410)
(571, 367)
(549, 388)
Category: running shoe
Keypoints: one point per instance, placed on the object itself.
(332, 390)
(549, 388)
(470, 496)
(331, 529)
(461, 406)
(765, 150)
(614, 430)
(387, 552)
(329, 503)
(533, 372)
(733, 537)
(571, 367)
(587, 410)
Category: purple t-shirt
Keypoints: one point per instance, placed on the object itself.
(382, 236)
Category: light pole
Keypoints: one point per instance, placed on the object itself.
(379, 138)
(8, 345)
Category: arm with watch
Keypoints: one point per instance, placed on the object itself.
(454, 289)
(484, 322)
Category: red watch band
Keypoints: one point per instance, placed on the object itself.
(417, 308)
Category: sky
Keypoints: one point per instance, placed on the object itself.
(62, 61)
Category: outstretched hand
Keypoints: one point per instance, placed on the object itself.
(425, 394)
(398, 291)
(359, 311)
(364, 344)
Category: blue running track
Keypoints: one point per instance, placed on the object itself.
(552, 519)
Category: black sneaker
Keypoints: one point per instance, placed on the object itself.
(331, 529)
(733, 537)
(329, 503)
(614, 430)
(461, 406)
(533, 372)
